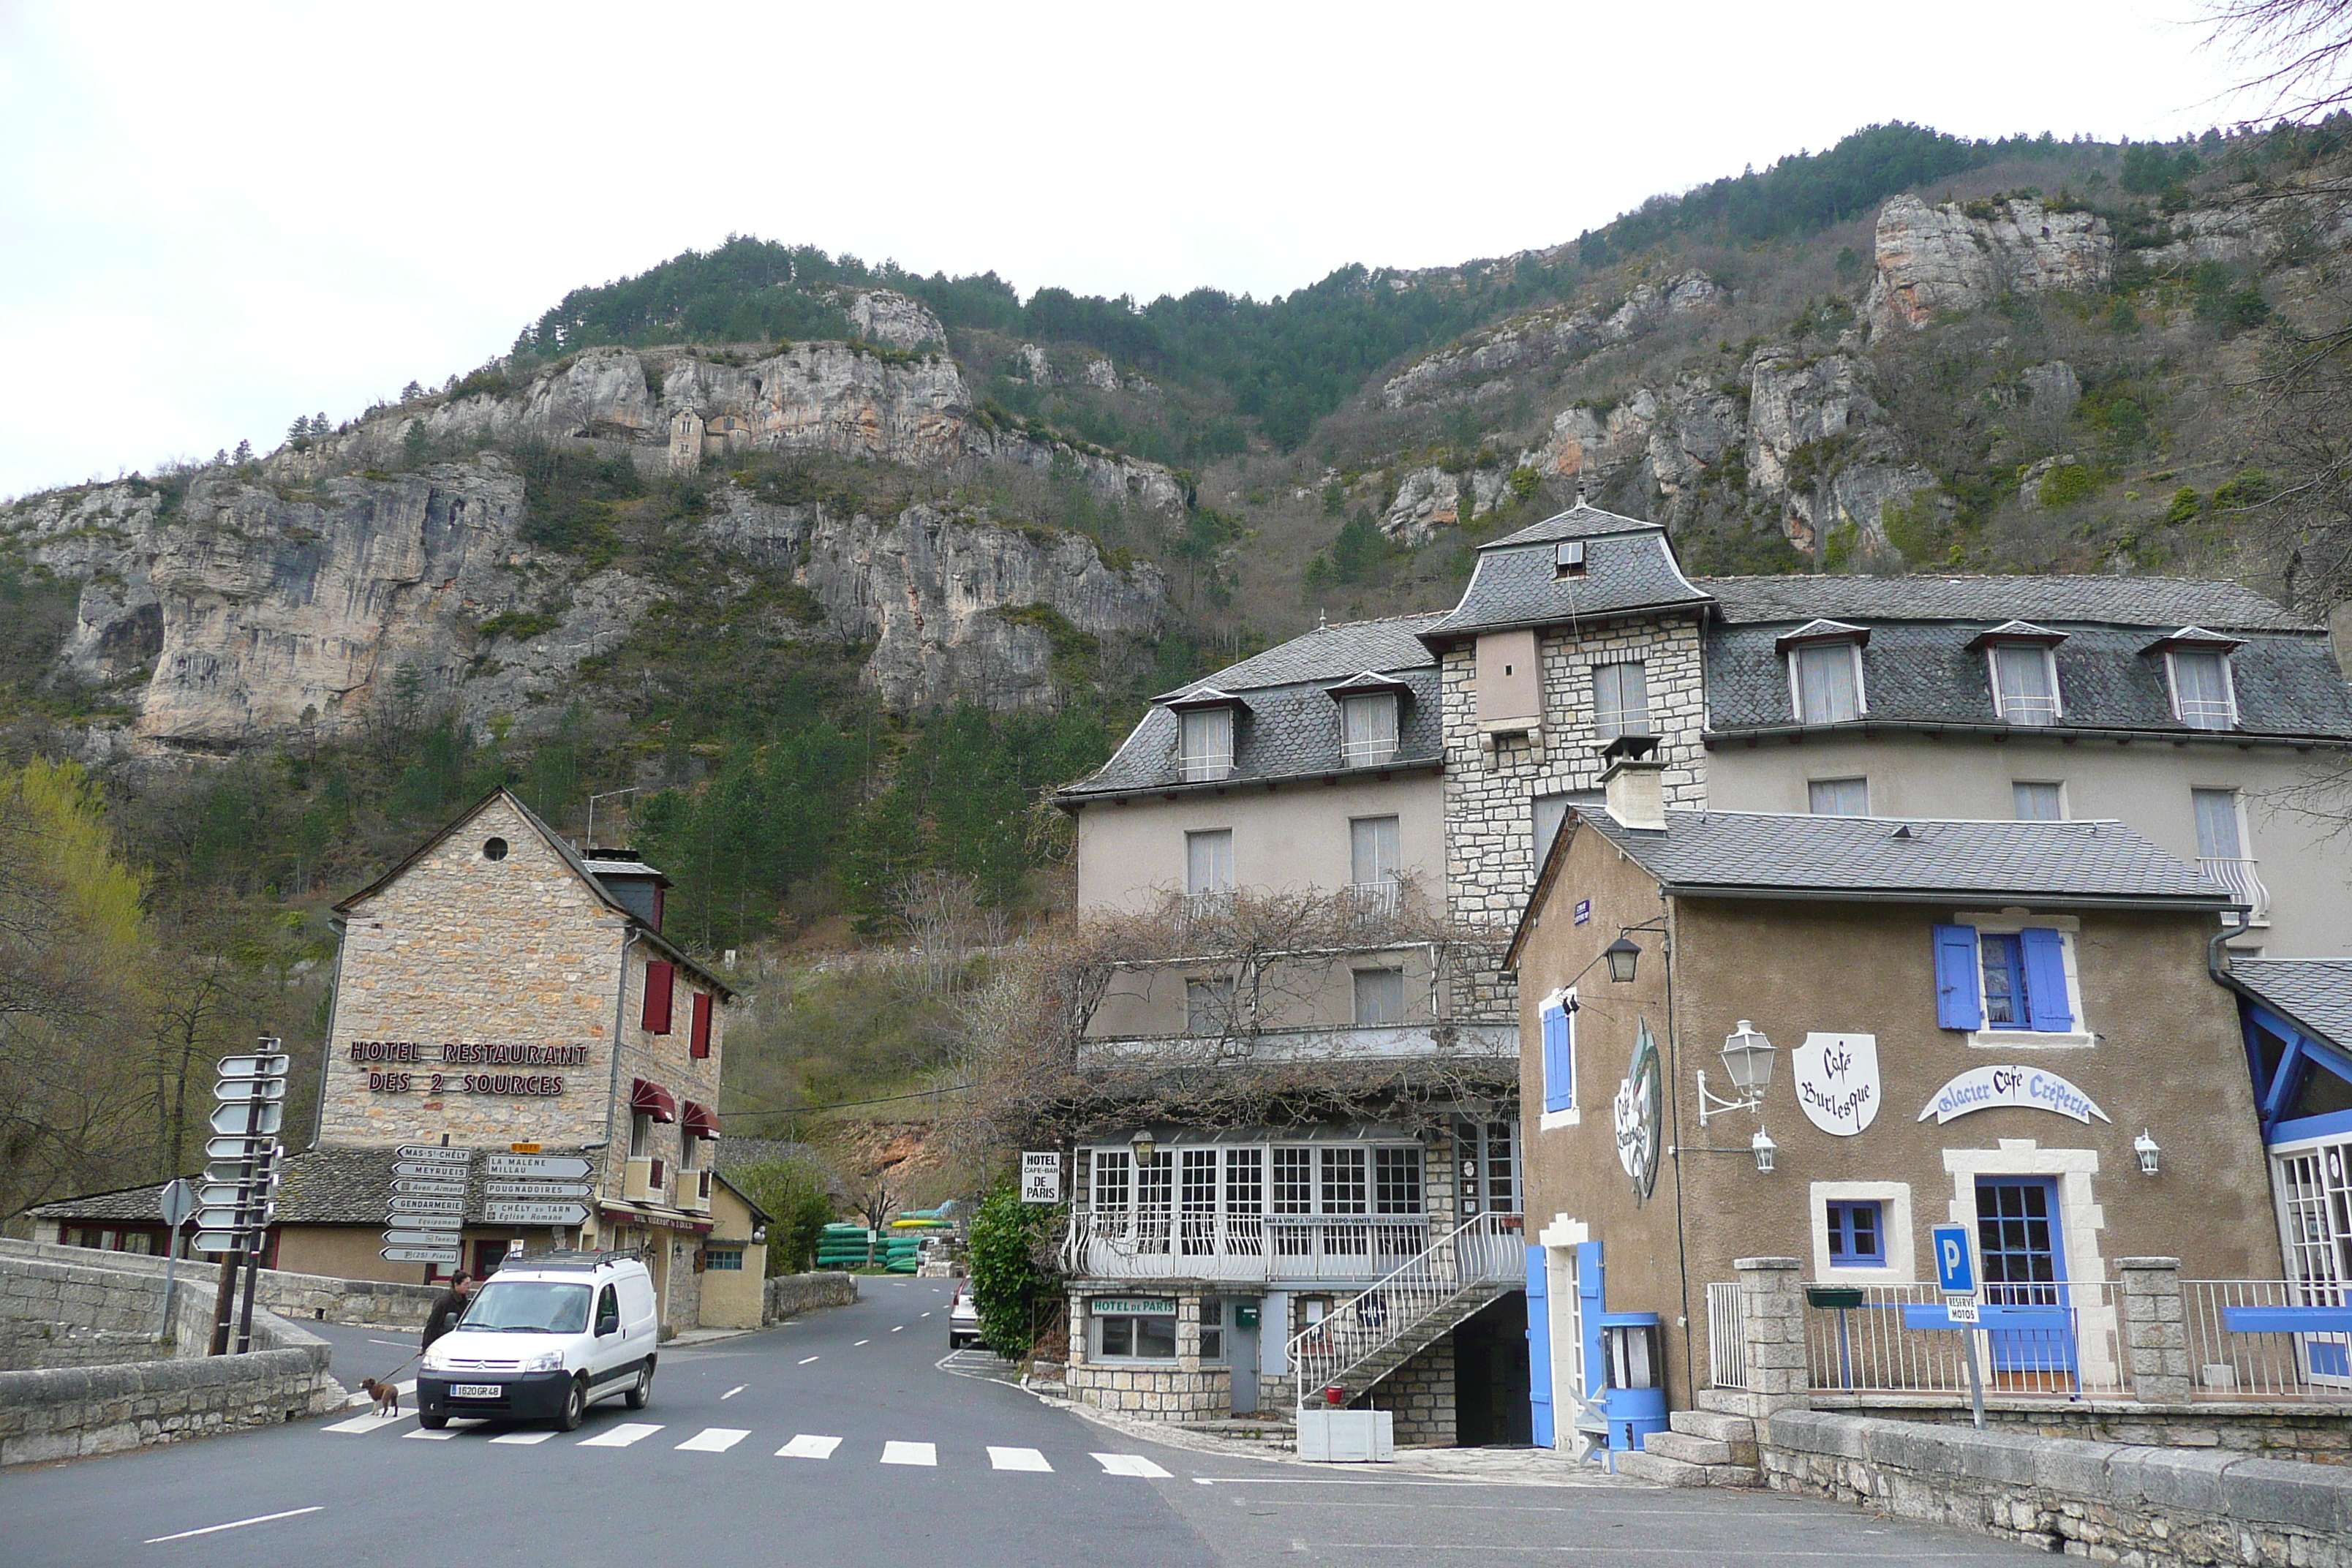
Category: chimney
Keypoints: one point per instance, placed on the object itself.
(1637, 796)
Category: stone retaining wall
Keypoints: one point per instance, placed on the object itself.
(790, 1295)
(2281, 1429)
(1420, 1395)
(25, 1345)
(1155, 1393)
(318, 1296)
(2159, 1508)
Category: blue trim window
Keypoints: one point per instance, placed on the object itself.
(2004, 981)
(1857, 1236)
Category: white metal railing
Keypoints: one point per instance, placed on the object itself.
(1867, 1348)
(1727, 1336)
(2227, 1363)
(1486, 1250)
(2206, 713)
(2238, 876)
(1206, 767)
(1367, 754)
(1148, 1242)
(1375, 901)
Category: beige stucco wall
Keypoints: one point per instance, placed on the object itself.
(1309, 994)
(731, 1298)
(1295, 836)
(2167, 1058)
(2145, 785)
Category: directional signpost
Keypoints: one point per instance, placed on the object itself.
(424, 1208)
(178, 1201)
(535, 1214)
(1956, 1276)
(233, 1207)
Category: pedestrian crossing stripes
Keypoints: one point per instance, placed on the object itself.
(816, 1446)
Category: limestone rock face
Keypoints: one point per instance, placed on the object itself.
(1426, 500)
(954, 601)
(1469, 366)
(886, 316)
(1103, 374)
(1932, 259)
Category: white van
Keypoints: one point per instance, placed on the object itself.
(543, 1338)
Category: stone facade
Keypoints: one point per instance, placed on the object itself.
(1489, 788)
(1421, 1394)
(1181, 1390)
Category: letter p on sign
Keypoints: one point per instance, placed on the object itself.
(1956, 1270)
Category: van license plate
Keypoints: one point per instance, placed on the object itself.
(476, 1391)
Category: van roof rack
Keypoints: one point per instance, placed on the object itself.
(572, 1257)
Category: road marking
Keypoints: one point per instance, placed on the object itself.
(734, 1391)
(901, 1326)
(233, 1525)
(808, 1445)
(620, 1436)
(807, 1360)
(927, 1314)
(443, 1435)
(712, 1440)
(910, 1454)
(374, 1341)
(1129, 1465)
(523, 1439)
(862, 1343)
(371, 1421)
(1016, 1459)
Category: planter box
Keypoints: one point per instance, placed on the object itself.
(1347, 1437)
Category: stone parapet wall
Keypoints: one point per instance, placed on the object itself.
(26, 1345)
(789, 1295)
(2284, 1429)
(1156, 1394)
(2154, 1507)
(319, 1298)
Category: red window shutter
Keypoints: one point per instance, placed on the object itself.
(701, 1039)
(659, 979)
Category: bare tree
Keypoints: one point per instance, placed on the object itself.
(948, 923)
(2300, 50)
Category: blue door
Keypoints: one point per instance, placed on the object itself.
(2024, 1261)
(1540, 1349)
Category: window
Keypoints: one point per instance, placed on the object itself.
(1857, 1236)
(1380, 997)
(1245, 1198)
(2003, 980)
(2024, 683)
(494, 848)
(1621, 700)
(2038, 802)
(2203, 695)
(1150, 1336)
(1208, 1005)
(1396, 1180)
(1559, 1055)
(1346, 1186)
(1368, 729)
(1206, 749)
(723, 1259)
(1838, 798)
(2217, 825)
(641, 1134)
(1111, 1180)
(1197, 1194)
(1293, 1181)
(700, 1040)
(1373, 851)
(1209, 862)
(661, 978)
(1825, 678)
(1567, 559)
(1213, 1328)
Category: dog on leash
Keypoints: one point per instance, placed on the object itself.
(387, 1397)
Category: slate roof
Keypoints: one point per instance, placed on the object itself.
(1628, 565)
(2042, 863)
(2165, 602)
(1922, 671)
(1330, 653)
(2315, 992)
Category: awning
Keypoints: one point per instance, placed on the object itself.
(652, 1098)
(700, 1122)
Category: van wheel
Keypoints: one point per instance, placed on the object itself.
(641, 1391)
(433, 1420)
(576, 1406)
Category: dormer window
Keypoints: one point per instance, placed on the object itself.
(1368, 729)
(1825, 671)
(2021, 665)
(1206, 753)
(1567, 561)
(2197, 673)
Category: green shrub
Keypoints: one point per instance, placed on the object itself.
(522, 626)
(2252, 487)
(1009, 1288)
(2066, 485)
(2186, 505)
(799, 1207)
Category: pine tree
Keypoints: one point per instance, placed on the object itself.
(243, 453)
(410, 392)
(300, 429)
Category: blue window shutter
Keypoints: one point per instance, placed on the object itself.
(1540, 1349)
(1957, 1004)
(1559, 1062)
(2045, 980)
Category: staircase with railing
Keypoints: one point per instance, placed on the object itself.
(1363, 1339)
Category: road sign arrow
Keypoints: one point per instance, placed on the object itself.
(426, 1205)
(435, 1153)
(237, 1090)
(218, 1240)
(420, 1239)
(234, 1172)
(557, 1167)
(230, 1216)
(428, 1221)
(534, 1213)
(227, 1195)
(413, 1254)
(424, 1189)
(232, 1117)
(536, 1189)
(255, 1067)
(236, 1148)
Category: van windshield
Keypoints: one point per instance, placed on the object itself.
(528, 1307)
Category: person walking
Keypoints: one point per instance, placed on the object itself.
(449, 1308)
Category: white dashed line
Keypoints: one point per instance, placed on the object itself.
(443, 1435)
(712, 1440)
(734, 1391)
(620, 1436)
(910, 1454)
(805, 1362)
(809, 1445)
(862, 1343)
(1016, 1459)
(896, 1329)
(525, 1438)
(1129, 1465)
(233, 1525)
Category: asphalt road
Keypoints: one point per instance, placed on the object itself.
(837, 1439)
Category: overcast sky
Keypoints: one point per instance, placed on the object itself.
(215, 217)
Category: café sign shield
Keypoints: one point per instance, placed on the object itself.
(1837, 1081)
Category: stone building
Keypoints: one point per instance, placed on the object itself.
(498, 993)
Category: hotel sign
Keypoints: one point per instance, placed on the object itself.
(1837, 1081)
(2029, 1088)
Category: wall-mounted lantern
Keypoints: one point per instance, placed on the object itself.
(2145, 1147)
(1747, 1059)
(1765, 1149)
(1141, 1145)
(1623, 955)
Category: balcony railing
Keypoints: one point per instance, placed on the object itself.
(1375, 901)
(1870, 1348)
(1206, 767)
(2227, 1360)
(1156, 1242)
(2238, 876)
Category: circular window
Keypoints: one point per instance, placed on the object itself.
(494, 850)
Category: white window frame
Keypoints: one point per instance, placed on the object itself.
(2009, 922)
(1862, 779)
(1374, 754)
(2065, 808)
(1894, 1201)
(1356, 978)
(1204, 765)
(2229, 687)
(1626, 718)
(2048, 668)
(1853, 646)
(1208, 833)
(1565, 1000)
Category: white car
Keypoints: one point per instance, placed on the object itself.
(543, 1338)
(963, 1318)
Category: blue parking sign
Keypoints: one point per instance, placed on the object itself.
(1955, 1265)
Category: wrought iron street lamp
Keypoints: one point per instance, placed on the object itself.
(1623, 955)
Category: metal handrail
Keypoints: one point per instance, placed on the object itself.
(1483, 1250)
